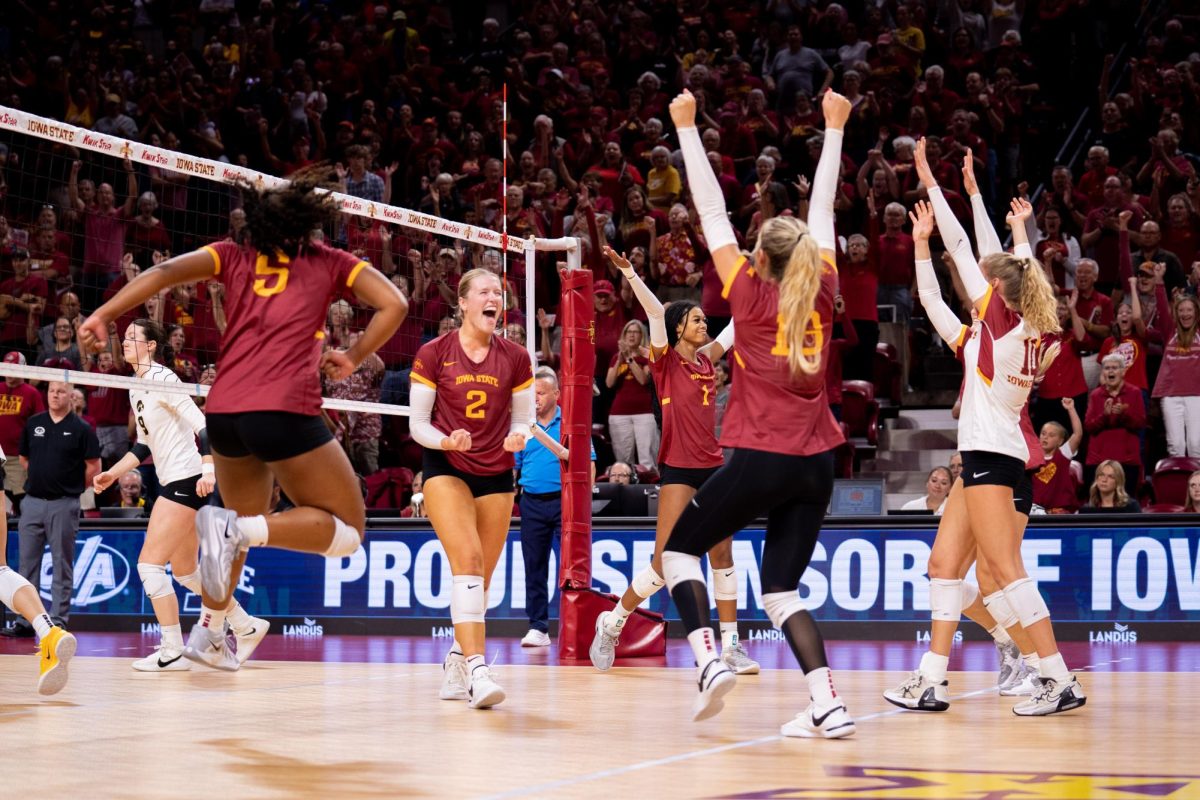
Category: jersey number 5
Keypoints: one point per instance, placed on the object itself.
(814, 330)
(476, 400)
(263, 268)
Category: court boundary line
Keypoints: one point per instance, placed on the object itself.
(613, 772)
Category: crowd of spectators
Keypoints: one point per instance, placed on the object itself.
(405, 98)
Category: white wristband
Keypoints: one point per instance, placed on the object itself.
(207, 469)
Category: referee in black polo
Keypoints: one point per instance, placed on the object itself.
(540, 479)
(62, 455)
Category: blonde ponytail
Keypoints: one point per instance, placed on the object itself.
(794, 262)
(1024, 285)
(1039, 305)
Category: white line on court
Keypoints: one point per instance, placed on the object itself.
(659, 762)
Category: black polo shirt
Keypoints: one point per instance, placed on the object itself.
(57, 452)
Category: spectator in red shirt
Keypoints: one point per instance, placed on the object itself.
(631, 421)
(1054, 487)
(1181, 229)
(1115, 423)
(1064, 377)
(680, 256)
(1091, 183)
(110, 407)
(896, 273)
(859, 285)
(1095, 311)
(22, 299)
(1100, 239)
(18, 402)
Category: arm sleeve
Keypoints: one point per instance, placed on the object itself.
(986, 238)
(706, 192)
(948, 326)
(187, 409)
(651, 305)
(522, 411)
(420, 410)
(820, 206)
(955, 239)
(205, 447)
(140, 451)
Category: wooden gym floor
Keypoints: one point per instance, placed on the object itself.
(348, 717)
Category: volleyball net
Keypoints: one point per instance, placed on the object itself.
(85, 212)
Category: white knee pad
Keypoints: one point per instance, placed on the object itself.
(725, 584)
(945, 599)
(1001, 611)
(468, 603)
(970, 593)
(11, 582)
(155, 580)
(1026, 601)
(680, 567)
(781, 605)
(647, 582)
(190, 582)
(346, 540)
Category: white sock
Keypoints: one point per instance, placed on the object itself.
(172, 637)
(213, 619)
(42, 625)
(729, 635)
(237, 617)
(1055, 668)
(703, 647)
(456, 649)
(254, 529)
(1032, 660)
(474, 663)
(820, 687)
(999, 634)
(933, 666)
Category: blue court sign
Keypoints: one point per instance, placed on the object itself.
(1105, 584)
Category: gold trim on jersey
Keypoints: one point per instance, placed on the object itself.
(216, 257)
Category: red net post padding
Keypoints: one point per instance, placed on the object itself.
(645, 632)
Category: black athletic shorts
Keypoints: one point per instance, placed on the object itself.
(266, 435)
(435, 463)
(1023, 494)
(982, 468)
(183, 492)
(688, 476)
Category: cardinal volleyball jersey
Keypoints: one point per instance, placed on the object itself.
(276, 308)
(475, 397)
(770, 408)
(689, 410)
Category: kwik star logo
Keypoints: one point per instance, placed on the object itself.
(884, 783)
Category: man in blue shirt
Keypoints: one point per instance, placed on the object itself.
(540, 479)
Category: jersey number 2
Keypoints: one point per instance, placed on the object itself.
(476, 400)
(264, 270)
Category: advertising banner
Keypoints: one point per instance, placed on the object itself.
(1102, 584)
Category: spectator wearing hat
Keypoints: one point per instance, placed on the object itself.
(610, 319)
(22, 300)
(401, 43)
(18, 402)
(62, 455)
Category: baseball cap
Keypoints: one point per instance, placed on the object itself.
(13, 357)
(399, 15)
(603, 287)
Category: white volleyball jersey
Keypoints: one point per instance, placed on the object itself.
(168, 425)
(1000, 358)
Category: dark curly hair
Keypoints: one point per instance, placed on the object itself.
(281, 220)
(676, 316)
